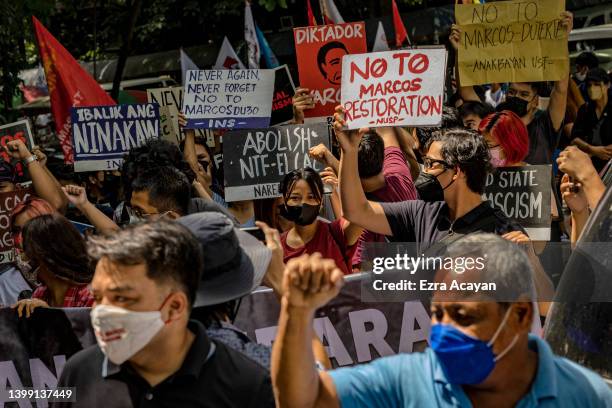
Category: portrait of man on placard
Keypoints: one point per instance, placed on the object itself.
(329, 60)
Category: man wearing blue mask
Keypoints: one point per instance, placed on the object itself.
(481, 353)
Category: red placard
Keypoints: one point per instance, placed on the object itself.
(319, 51)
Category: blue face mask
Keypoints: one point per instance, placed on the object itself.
(466, 359)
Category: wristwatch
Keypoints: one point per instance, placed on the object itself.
(30, 159)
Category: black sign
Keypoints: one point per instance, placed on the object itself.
(255, 161)
(13, 131)
(282, 106)
(523, 194)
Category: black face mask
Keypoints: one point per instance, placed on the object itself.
(429, 188)
(304, 214)
(514, 104)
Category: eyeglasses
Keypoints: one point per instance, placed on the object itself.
(147, 216)
(428, 163)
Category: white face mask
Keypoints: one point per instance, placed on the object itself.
(122, 333)
(581, 76)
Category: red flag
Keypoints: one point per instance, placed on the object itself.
(311, 17)
(400, 31)
(69, 85)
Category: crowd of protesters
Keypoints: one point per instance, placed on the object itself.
(168, 261)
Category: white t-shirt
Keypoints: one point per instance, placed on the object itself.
(12, 284)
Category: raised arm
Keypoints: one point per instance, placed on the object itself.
(302, 100)
(558, 97)
(577, 165)
(355, 206)
(77, 196)
(467, 93)
(576, 200)
(309, 282)
(44, 183)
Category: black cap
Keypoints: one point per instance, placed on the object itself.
(597, 75)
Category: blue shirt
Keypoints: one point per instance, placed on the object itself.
(418, 380)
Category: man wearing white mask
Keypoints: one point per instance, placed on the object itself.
(149, 353)
(481, 353)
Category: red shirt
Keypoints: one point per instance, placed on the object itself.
(329, 241)
(398, 187)
(76, 296)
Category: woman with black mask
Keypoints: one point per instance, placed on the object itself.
(302, 192)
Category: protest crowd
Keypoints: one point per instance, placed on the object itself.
(215, 254)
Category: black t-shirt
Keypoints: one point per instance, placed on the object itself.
(426, 223)
(212, 375)
(543, 139)
(593, 130)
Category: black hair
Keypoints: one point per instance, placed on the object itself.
(307, 174)
(51, 240)
(153, 154)
(536, 87)
(371, 155)
(587, 59)
(450, 120)
(168, 249)
(324, 50)
(479, 109)
(467, 150)
(168, 188)
(597, 75)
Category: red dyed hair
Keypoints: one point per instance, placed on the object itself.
(33, 207)
(511, 132)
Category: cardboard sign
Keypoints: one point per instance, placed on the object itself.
(101, 135)
(319, 51)
(12, 131)
(8, 201)
(255, 161)
(394, 88)
(523, 194)
(512, 41)
(172, 99)
(167, 130)
(228, 98)
(282, 104)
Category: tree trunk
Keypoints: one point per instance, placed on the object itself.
(126, 47)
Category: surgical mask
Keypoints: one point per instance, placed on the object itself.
(429, 188)
(466, 359)
(122, 333)
(496, 159)
(514, 104)
(595, 92)
(304, 214)
(580, 76)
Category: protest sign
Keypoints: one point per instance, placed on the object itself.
(394, 88)
(101, 135)
(319, 51)
(228, 98)
(8, 201)
(512, 41)
(354, 332)
(255, 161)
(167, 130)
(282, 104)
(17, 130)
(172, 98)
(34, 350)
(524, 195)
